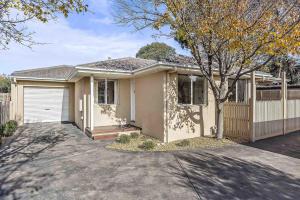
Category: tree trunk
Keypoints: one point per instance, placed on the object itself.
(220, 120)
(220, 110)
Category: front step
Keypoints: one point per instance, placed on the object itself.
(110, 132)
(105, 136)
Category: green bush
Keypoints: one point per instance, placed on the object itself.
(1, 129)
(9, 128)
(134, 135)
(148, 145)
(124, 139)
(183, 143)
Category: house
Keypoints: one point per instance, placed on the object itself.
(168, 100)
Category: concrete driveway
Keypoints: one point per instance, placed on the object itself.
(56, 161)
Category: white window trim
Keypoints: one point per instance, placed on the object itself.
(105, 91)
(237, 92)
(192, 88)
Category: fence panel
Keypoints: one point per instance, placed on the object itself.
(4, 112)
(236, 120)
(4, 97)
(292, 123)
(268, 119)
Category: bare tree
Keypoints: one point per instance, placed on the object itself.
(227, 38)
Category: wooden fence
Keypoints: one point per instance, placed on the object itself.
(4, 97)
(271, 111)
(4, 112)
(236, 120)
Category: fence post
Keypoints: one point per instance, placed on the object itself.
(252, 107)
(284, 100)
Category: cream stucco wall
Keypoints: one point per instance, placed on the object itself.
(17, 96)
(82, 94)
(149, 95)
(157, 111)
(187, 121)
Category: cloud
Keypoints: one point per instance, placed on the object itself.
(105, 20)
(66, 45)
(100, 6)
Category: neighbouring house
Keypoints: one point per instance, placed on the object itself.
(168, 100)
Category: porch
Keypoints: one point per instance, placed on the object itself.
(106, 106)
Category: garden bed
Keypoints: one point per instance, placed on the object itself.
(137, 144)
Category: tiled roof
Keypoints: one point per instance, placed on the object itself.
(130, 64)
(125, 64)
(56, 72)
(122, 64)
(180, 60)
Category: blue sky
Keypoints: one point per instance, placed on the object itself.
(78, 39)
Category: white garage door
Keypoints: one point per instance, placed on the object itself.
(46, 104)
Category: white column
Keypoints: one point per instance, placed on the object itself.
(92, 102)
(284, 99)
(132, 99)
(236, 92)
(252, 107)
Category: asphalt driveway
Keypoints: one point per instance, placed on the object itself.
(57, 161)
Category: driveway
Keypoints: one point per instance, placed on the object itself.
(57, 161)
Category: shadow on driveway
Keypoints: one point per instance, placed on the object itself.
(222, 177)
(288, 145)
(16, 157)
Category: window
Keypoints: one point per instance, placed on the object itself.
(110, 92)
(184, 89)
(192, 90)
(238, 92)
(106, 92)
(101, 91)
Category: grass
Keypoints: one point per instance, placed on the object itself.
(136, 144)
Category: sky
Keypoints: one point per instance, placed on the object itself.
(78, 39)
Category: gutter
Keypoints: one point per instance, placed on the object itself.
(88, 69)
(38, 79)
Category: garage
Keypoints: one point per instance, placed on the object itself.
(46, 104)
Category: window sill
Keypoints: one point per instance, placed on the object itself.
(103, 104)
(192, 105)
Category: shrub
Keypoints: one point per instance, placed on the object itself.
(9, 128)
(124, 139)
(1, 129)
(183, 143)
(134, 135)
(148, 145)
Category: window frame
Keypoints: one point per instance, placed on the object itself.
(105, 91)
(192, 90)
(236, 99)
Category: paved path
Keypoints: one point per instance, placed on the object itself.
(56, 161)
